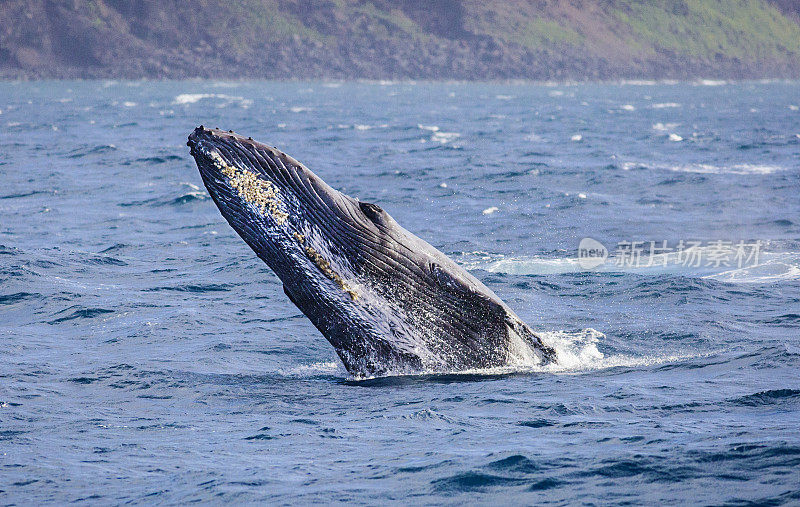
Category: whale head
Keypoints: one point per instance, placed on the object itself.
(385, 299)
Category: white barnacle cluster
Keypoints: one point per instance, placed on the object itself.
(260, 193)
(325, 266)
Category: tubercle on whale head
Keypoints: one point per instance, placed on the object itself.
(259, 192)
(202, 132)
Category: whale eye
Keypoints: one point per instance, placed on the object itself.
(372, 211)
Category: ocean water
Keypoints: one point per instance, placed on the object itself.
(147, 355)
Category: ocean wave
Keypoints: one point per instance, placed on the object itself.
(190, 197)
(10, 299)
(26, 194)
(81, 313)
(768, 398)
(92, 150)
(472, 481)
(198, 288)
(158, 159)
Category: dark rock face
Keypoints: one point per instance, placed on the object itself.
(386, 39)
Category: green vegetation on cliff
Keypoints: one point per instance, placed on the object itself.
(436, 39)
(741, 29)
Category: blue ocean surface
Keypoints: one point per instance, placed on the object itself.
(148, 356)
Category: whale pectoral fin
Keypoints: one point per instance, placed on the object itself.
(479, 304)
(548, 354)
(291, 297)
(330, 329)
(372, 357)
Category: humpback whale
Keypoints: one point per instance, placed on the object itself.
(387, 301)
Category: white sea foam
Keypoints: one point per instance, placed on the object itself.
(638, 82)
(770, 267)
(491, 210)
(711, 82)
(224, 100)
(577, 351)
(774, 270)
(664, 105)
(191, 98)
(742, 169)
(664, 126)
(445, 137)
(675, 137)
(318, 368)
(732, 169)
(628, 107)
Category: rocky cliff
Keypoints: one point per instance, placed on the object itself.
(400, 39)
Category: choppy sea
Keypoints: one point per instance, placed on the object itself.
(147, 355)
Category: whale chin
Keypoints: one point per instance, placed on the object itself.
(387, 301)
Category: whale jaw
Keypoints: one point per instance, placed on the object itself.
(385, 299)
